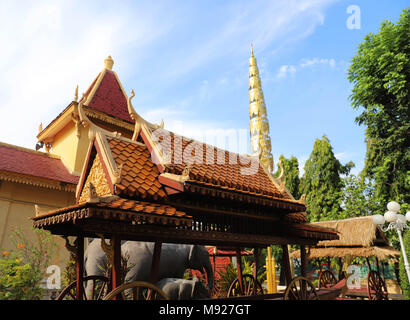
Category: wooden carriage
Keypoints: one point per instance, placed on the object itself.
(163, 188)
(358, 237)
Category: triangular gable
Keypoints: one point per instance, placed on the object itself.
(96, 182)
(105, 165)
(106, 94)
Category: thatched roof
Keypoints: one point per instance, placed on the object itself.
(354, 232)
(382, 252)
(358, 237)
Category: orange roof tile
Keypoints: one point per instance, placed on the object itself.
(206, 168)
(120, 209)
(139, 175)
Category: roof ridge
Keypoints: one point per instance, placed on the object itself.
(7, 145)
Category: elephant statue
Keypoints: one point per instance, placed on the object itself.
(95, 259)
(174, 260)
(182, 289)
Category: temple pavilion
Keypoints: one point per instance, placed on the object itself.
(107, 163)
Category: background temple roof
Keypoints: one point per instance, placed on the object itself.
(34, 163)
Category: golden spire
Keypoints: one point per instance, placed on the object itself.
(108, 63)
(258, 120)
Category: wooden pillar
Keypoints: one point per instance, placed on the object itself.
(286, 264)
(377, 265)
(368, 264)
(255, 263)
(239, 268)
(116, 266)
(153, 278)
(303, 261)
(80, 268)
(155, 263)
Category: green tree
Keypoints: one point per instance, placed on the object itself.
(380, 74)
(359, 197)
(321, 182)
(291, 174)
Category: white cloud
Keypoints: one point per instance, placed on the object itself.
(286, 70)
(50, 47)
(291, 70)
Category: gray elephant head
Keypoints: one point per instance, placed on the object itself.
(182, 289)
(198, 259)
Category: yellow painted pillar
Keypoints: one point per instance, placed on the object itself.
(271, 272)
(268, 271)
(274, 283)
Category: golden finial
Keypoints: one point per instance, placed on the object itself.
(40, 127)
(258, 118)
(108, 63)
(76, 94)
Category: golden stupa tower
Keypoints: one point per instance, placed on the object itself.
(258, 120)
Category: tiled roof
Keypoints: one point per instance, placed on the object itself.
(34, 163)
(118, 209)
(139, 175)
(208, 169)
(109, 97)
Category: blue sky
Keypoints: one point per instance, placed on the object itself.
(187, 62)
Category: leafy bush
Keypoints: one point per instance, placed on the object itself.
(230, 273)
(22, 270)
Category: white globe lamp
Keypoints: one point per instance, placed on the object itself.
(390, 216)
(378, 219)
(401, 218)
(393, 206)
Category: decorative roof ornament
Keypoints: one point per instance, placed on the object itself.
(282, 171)
(76, 94)
(258, 119)
(108, 63)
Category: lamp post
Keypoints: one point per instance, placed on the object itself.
(397, 222)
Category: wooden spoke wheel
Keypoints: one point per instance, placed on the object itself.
(250, 285)
(300, 288)
(98, 290)
(376, 287)
(326, 279)
(137, 290)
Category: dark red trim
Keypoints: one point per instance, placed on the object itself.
(170, 191)
(178, 186)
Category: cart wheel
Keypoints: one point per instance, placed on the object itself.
(376, 287)
(326, 279)
(300, 288)
(137, 290)
(251, 286)
(99, 289)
